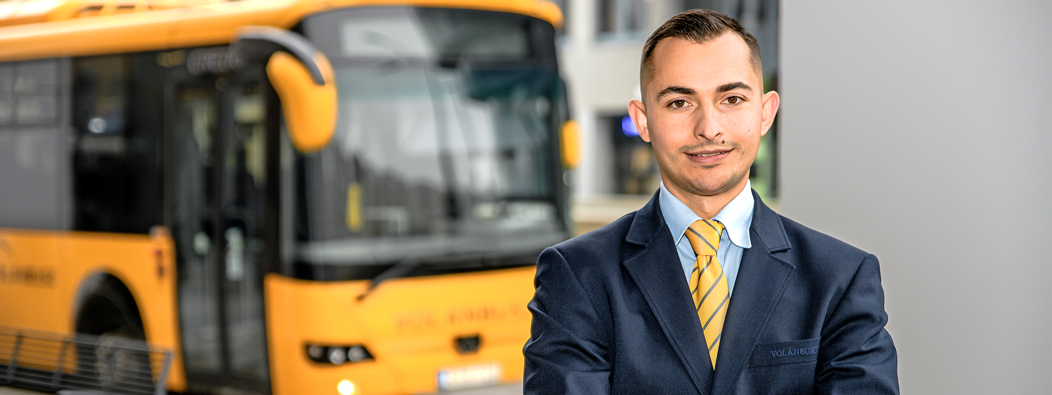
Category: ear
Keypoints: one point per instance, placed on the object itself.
(638, 112)
(770, 109)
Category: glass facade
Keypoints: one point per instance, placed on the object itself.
(622, 17)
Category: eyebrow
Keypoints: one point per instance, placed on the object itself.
(732, 86)
(675, 89)
(688, 91)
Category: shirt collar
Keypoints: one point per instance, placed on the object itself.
(736, 217)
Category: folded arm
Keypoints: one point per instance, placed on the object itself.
(566, 353)
(857, 355)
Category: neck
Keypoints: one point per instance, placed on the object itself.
(707, 206)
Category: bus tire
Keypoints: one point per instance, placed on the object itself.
(109, 313)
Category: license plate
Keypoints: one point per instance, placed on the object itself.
(468, 377)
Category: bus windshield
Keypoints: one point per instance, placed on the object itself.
(444, 155)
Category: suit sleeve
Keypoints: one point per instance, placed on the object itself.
(566, 353)
(856, 354)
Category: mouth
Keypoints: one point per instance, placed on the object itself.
(709, 157)
(710, 154)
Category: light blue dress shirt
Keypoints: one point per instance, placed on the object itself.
(736, 218)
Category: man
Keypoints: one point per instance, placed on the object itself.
(705, 290)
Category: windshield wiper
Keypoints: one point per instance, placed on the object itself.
(400, 269)
(410, 263)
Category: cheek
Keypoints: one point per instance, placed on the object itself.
(737, 122)
(657, 131)
(669, 129)
(743, 130)
(664, 148)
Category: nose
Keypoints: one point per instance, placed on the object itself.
(707, 124)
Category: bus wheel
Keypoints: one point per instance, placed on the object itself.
(116, 358)
(117, 364)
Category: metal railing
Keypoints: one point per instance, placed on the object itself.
(108, 364)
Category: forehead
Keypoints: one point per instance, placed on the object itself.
(702, 67)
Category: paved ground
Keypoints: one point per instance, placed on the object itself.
(17, 391)
(514, 389)
(592, 212)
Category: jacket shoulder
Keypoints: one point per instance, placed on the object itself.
(820, 251)
(604, 242)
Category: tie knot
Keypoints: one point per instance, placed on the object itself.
(704, 236)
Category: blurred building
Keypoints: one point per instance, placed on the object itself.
(600, 48)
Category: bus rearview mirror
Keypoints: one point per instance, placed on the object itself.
(302, 77)
(570, 144)
(310, 109)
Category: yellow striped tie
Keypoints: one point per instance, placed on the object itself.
(708, 285)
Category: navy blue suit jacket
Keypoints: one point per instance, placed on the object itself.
(612, 314)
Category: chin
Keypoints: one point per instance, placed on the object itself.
(710, 188)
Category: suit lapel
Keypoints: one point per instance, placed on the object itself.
(651, 259)
(762, 278)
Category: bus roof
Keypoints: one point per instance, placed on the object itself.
(32, 29)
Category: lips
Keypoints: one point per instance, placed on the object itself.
(709, 156)
(706, 155)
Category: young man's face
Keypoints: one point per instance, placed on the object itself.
(704, 112)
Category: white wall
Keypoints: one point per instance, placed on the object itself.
(919, 131)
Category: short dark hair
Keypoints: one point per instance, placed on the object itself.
(699, 26)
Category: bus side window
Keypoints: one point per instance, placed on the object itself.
(117, 156)
(34, 187)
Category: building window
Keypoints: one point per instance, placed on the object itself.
(635, 168)
(29, 93)
(117, 175)
(33, 146)
(622, 17)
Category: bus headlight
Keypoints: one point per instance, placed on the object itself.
(357, 353)
(316, 352)
(346, 387)
(338, 355)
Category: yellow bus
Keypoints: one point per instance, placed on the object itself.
(293, 196)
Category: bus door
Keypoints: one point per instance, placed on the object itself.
(218, 179)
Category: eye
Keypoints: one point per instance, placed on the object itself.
(735, 100)
(678, 103)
